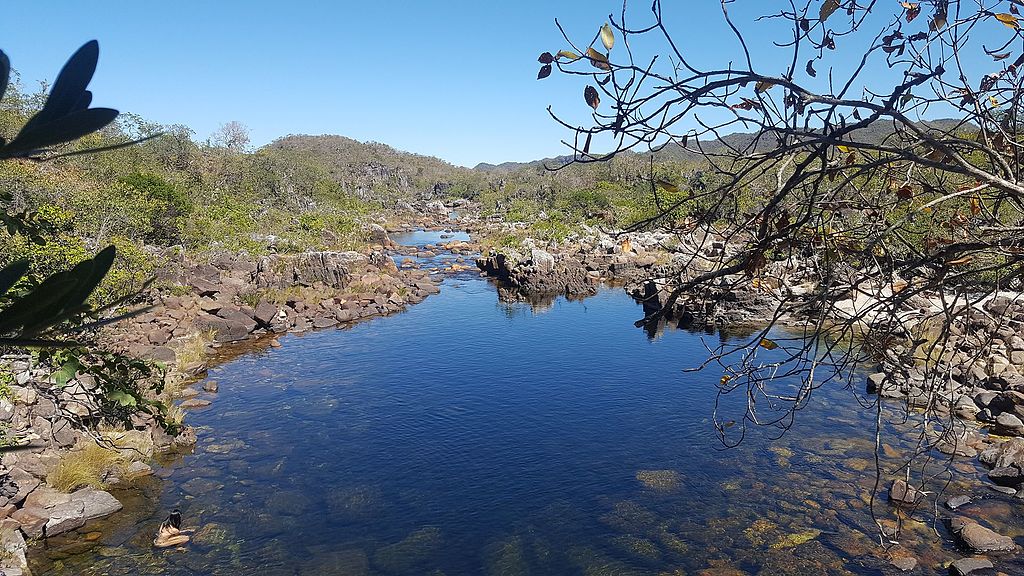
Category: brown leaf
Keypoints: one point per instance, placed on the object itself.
(768, 344)
(591, 97)
(586, 145)
(598, 60)
(568, 55)
(913, 10)
(905, 192)
(810, 69)
(827, 8)
(546, 58)
(545, 71)
(1010, 20)
(763, 85)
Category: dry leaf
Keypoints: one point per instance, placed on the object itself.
(607, 37)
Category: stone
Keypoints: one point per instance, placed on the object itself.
(904, 563)
(194, 403)
(46, 497)
(97, 503)
(265, 313)
(958, 501)
(33, 521)
(965, 566)
(1006, 476)
(12, 548)
(977, 538)
(901, 493)
(65, 517)
(1008, 453)
(25, 482)
(139, 469)
(211, 386)
(1009, 423)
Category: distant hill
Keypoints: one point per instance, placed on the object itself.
(875, 133)
(371, 170)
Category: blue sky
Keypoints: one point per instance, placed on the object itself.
(453, 79)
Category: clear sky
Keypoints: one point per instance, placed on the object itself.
(454, 79)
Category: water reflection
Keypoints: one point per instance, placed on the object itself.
(458, 438)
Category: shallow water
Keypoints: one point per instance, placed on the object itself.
(471, 436)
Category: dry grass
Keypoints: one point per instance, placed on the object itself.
(192, 350)
(86, 465)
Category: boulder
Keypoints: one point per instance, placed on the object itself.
(977, 538)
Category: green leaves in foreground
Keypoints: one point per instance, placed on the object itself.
(54, 300)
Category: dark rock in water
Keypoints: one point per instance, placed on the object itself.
(901, 493)
(977, 538)
(958, 501)
(876, 382)
(211, 386)
(965, 566)
(1006, 476)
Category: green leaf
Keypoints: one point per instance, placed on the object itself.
(66, 372)
(121, 397)
(11, 273)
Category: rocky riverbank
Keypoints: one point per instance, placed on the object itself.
(205, 309)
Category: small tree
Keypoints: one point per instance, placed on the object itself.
(232, 135)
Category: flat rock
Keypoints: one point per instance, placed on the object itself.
(195, 403)
(958, 501)
(98, 503)
(965, 566)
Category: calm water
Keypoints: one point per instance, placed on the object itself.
(470, 436)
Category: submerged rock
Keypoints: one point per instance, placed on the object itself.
(662, 480)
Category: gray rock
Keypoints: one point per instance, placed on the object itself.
(1008, 453)
(211, 386)
(901, 493)
(65, 517)
(1006, 476)
(1008, 422)
(977, 538)
(958, 501)
(904, 563)
(97, 503)
(965, 566)
(12, 547)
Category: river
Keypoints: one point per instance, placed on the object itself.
(473, 436)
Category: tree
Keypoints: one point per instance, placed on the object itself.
(843, 204)
(232, 135)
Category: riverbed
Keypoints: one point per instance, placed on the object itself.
(474, 436)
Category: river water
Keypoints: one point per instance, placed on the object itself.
(473, 436)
